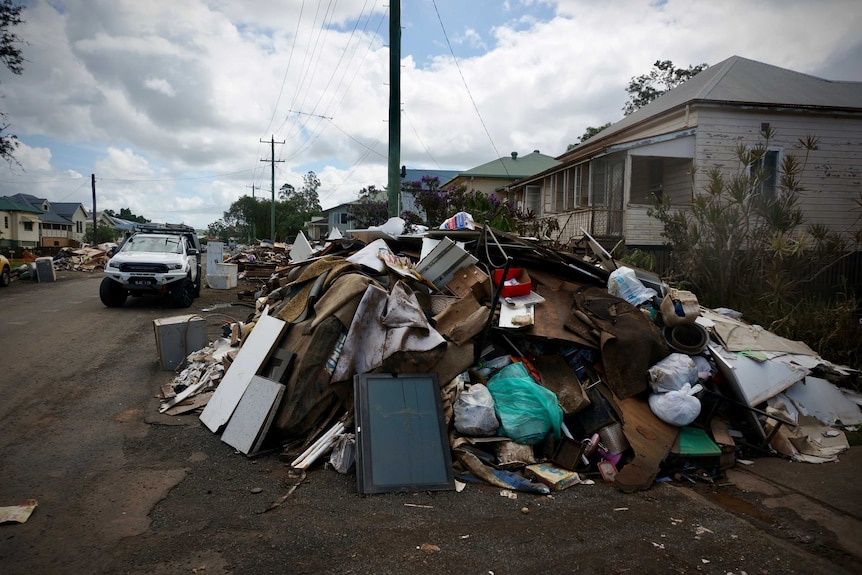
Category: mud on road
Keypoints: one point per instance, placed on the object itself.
(124, 489)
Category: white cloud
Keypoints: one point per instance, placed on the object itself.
(175, 97)
(160, 85)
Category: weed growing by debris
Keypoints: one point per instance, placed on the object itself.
(745, 243)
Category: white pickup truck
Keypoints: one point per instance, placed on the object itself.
(158, 259)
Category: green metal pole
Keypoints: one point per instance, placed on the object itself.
(394, 184)
(272, 210)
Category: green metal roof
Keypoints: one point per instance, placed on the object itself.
(7, 205)
(512, 167)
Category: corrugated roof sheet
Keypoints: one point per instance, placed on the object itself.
(513, 168)
(741, 81)
(416, 174)
(9, 205)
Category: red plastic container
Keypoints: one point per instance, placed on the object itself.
(523, 286)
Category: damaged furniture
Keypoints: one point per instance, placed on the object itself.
(484, 357)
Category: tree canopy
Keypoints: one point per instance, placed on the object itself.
(589, 133)
(645, 88)
(249, 218)
(126, 214)
(371, 209)
(10, 55)
(663, 77)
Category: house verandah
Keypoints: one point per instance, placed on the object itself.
(608, 194)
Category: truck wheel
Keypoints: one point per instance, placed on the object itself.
(111, 293)
(183, 293)
(5, 277)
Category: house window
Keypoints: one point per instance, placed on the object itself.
(571, 187)
(559, 192)
(582, 176)
(607, 183)
(764, 172)
(343, 217)
(533, 200)
(28, 226)
(80, 227)
(6, 222)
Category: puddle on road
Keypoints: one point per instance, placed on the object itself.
(740, 506)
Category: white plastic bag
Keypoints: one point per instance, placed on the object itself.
(676, 407)
(623, 283)
(343, 454)
(671, 373)
(474, 412)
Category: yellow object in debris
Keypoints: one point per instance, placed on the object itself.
(555, 477)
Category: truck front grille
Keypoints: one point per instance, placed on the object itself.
(147, 268)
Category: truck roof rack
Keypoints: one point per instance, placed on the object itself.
(164, 228)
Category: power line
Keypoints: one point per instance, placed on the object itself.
(427, 151)
(209, 177)
(475, 107)
(287, 69)
(13, 182)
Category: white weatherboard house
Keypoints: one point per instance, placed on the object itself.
(668, 147)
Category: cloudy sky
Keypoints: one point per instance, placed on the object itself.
(167, 102)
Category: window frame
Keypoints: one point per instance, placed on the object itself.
(533, 194)
(770, 185)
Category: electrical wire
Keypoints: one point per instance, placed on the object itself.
(315, 132)
(475, 107)
(418, 137)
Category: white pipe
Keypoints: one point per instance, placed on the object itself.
(336, 429)
(319, 447)
(313, 456)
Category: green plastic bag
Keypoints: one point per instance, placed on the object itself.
(526, 410)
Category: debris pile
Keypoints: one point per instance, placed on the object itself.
(82, 259)
(468, 355)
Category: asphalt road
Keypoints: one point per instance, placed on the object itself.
(123, 489)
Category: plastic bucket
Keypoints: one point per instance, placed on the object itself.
(689, 338)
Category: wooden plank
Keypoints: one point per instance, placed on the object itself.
(198, 401)
(253, 415)
(252, 355)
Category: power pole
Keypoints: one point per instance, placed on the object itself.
(273, 161)
(394, 184)
(93, 185)
(253, 225)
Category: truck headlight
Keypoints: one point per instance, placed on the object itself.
(175, 266)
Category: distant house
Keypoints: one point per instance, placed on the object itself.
(408, 202)
(667, 148)
(338, 216)
(496, 177)
(60, 223)
(19, 224)
(335, 217)
(119, 225)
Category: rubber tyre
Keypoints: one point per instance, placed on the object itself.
(198, 284)
(183, 293)
(111, 293)
(5, 277)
